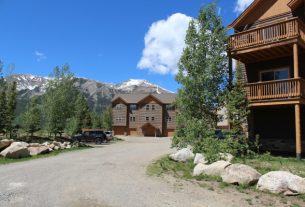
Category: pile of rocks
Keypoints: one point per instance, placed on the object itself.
(240, 174)
(12, 149)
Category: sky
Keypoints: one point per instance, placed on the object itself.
(105, 40)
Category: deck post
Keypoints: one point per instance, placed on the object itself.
(298, 131)
(296, 60)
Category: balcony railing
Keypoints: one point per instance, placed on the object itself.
(284, 30)
(281, 89)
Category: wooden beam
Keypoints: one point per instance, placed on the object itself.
(230, 70)
(296, 60)
(298, 135)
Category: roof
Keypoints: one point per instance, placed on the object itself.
(292, 4)
(136, 98)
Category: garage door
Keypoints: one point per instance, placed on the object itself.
(119, 130)
(133, 132)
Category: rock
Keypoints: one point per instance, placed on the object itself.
(16, 150)
(34, 145)
(62, 146)
(226, 157)
(4, 143)
(68, 147)
(46, 143)
(52, 146)
(214, 169)
(281, 182)
(182, 155)
(199, 169)
(56, 148)
(56, 143)
(199, 158)
(38, 150)
(240, 174)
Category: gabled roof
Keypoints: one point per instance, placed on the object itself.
(136, 98)
(254, 4)
(293, 4)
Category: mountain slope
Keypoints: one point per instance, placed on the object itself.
(99, 94)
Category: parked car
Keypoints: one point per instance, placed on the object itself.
(109, 135)
(97, 136)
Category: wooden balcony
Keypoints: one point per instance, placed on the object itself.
(276, 90)
(274, 33)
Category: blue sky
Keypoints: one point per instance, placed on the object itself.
(99, 39)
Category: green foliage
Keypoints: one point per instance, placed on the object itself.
(107, 118)
(237, 104)
(3, 109)
(82, 113)
(32, 117)
(11, 106)
(202, 70)
(72, 126)
(59, 100)
(96, 120)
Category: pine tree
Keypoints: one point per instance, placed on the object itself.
(107, 118)
(237, 104)
(201, 74)
(11, 107)
(32, 117)
(3, 102)
(82, 112)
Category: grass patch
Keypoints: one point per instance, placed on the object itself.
(4, 161)
(267, 163)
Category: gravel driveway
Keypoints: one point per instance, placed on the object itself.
(107, 176)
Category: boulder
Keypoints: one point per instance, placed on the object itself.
(226, 157)
(16, 150)
(281, 182)
(62, 146)
(182, 155)
(52, 146)
(240, 174)
(38, 150)
(56, 143)
(4, 143)
(199, 169)
(214, 169)
(46, 143)
(199, 158)
(34, 145)
(56, 148)
(68, 147)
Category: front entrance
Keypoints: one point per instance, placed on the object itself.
(149, 130)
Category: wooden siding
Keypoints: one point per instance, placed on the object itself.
(119, 114)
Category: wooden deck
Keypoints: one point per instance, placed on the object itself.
(274, 33)
(270, 90)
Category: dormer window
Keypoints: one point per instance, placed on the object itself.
(119, 106)
(133, 107)
(147, 107)
(153, 107)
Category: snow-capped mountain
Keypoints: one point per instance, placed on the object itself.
(99, 94)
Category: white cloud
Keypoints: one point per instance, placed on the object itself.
(40, 56)
(164, 43)
(241, 5)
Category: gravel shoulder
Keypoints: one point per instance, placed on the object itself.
(109, 176)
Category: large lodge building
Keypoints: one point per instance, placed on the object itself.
(144, 115)
(269, 44)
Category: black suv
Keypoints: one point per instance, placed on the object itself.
(97, 136)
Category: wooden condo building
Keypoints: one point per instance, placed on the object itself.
(144, 115)
(269, 44)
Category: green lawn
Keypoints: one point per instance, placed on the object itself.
(4, 161)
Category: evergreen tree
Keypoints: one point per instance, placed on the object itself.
(11, 107)
(32, 117)
(107, 118)
(59, 100)
(202, 72)
(96, 120)
(237, 104)
(82, 112)
(72, 126)
(3, 102)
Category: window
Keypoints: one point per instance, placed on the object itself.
(132, 119)
(271, 75)
(119, 119)
(168, 119)
(170, 107)
(147, 118)
(133, 107)
(153, 107)
(153, 118)
(147, 107)
(119, 106)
